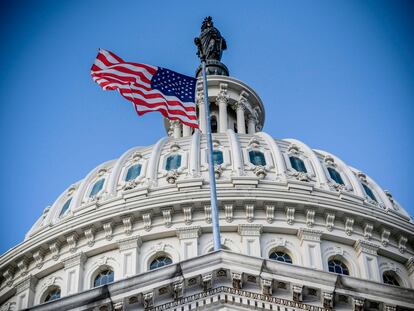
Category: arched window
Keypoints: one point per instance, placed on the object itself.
(257, 158)
(133, 172)
(97, 187)
(280, 256)
(217, 157)
(369, 192)
(104, 277)
(213, 123)
(65, 208)
(390, 278)
(53, 294)
(335, 176)
(297, 164)
(173, 162)
(337, 266)
(160, 261)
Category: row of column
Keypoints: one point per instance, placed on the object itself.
(179, 130)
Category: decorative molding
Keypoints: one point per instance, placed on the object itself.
(72, 240)
(188, 217)
(249, 212)
(108, 230)
(349, 223)
(297, 291)
(385, 237)
(55, 249)
(362, 246)
(23, 265)
(178, 289)
(310, 218)
(305, 234)
(129, 243)
(148, 299)
(368, 231)
(90, 236)
(236, 280)
(127, 222)
(358, 304)
(207, 281)
(290, 215)
(270, 213)
(167, 215)
(146, 218)
(402, 247)
(8, 275)
(27, 283)
(188, 232)
(250, 229)
(39, 256)
(327, 300)
(267, 287)
(207, 213)
(330, 221)
(228, 210)
(410, 265)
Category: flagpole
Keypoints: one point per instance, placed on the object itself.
(213, 191)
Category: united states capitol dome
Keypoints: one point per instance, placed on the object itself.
(300, 229)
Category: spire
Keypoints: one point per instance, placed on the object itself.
(210, 46)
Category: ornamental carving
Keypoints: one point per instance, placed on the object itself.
(166, 214)
(349, 225)
(146, 218)
(172, 176)
(260, 171)
(329, 160)
(249, 212)
(54, 248)
(90, 236)
(270, 213)
(207, 213)
(402, 247)
(330, 221)
(228, 210)
(290, 215)
(385, 237)
(127, 222)
(108, 230)
(310, 218)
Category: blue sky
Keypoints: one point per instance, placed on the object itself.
(338, 75)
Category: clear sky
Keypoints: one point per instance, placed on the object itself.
(338, 75)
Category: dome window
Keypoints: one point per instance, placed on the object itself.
(335, 176)
(65, 208)
(159, 262)
(390, 278)
(337, 266)
(257, 158)
(97, 187)
(217, 157)
(369, 192)
(133, 172)
(280, 256)
(53, 294)
(297, 164)
(173, 162)
(104, 277)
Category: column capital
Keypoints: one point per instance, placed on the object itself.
(129, 243)
(366, 247)
(74, 260)
(222, 96)
(28, 282)
(192, 232)
(305, 234)
(250, 229)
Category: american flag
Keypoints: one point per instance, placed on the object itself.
(150, 88)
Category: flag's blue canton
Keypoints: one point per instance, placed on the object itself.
(171, 83)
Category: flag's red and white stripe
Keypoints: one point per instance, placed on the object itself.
(133, 81)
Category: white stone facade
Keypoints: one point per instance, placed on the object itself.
(263, 208)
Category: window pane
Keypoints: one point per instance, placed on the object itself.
(160, 262)
(173, 162)
(389, 278)
(97, 187)
(257, 158)
(104, 277)
(280, 256)
(298, 164)
(369, 192)
(335, 176)
(133, 172)
(337, 266)
(65, 208)
(217, 157)
(53, 295)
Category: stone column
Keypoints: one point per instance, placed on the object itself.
(222, 102)
(188, 237)
(310, 241)
(25, 292)
(250, 238)
(186, 130)
(410, 268)
(368, 260)
(176, 125)
(73, 267)
(251, 125)
(241, 123)
(129, 249)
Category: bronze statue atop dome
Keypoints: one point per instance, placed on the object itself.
(212, 44)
